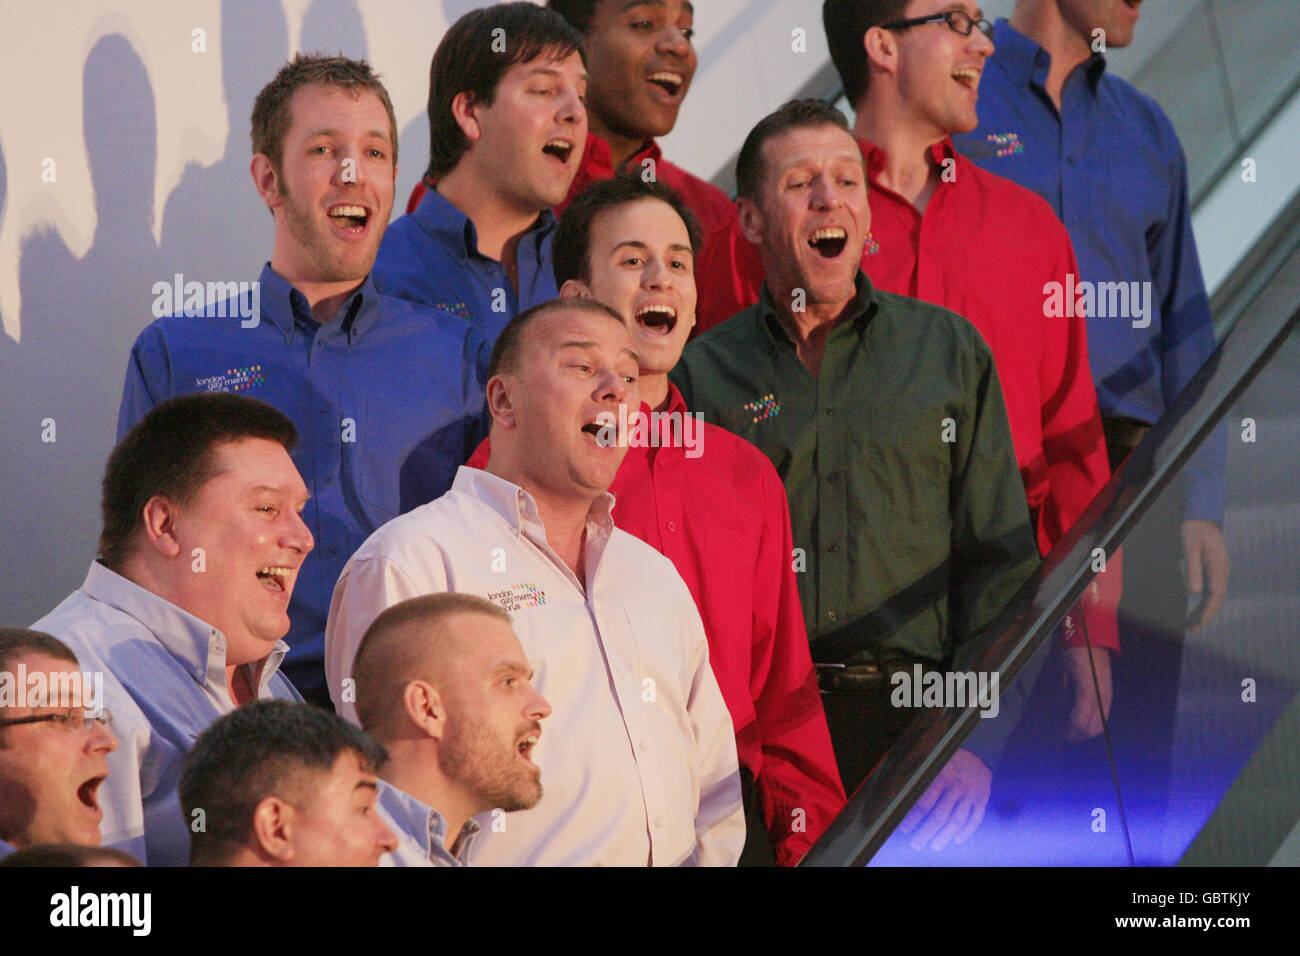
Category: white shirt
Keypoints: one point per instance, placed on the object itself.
(165, 682)
(638, 756)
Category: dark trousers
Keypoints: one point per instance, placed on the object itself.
(863, 728)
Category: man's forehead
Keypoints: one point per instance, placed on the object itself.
(570, 328)
(318, 106)
(648, 221)
(811, 144)
(255, 465)
(549, 61)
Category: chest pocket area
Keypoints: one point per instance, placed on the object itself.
(906, 454)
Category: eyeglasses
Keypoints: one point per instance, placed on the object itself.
(958, 21)
(74, 720)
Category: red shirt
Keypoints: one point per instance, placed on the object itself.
(985, 248)
(723, 520)
(710, 204)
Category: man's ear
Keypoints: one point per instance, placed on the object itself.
(159, 531)
(881, 47)
(500, 402)
(425, 708)
(273, 823)
(267, 180)
(465, 110)
(751, 219)
(575, 289)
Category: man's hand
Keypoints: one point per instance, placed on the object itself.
(1085, 719)
(1207, 563)
(953, 806)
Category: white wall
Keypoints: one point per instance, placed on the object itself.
(149, 142)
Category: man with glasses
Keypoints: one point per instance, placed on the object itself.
(1107, 159)
(53, 749)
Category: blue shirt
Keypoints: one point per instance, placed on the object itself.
(5, 849)
(421, 831)
(1111, 166)
(165, 682)
(431, 256)
(387, 399)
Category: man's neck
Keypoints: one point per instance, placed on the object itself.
(1042, 22)
(241, 682)
(622, 147)
(413, 770)
(498, 225)
(810, 327)
(910, 170)
(325, 298)
(563, 518)
(654, 389)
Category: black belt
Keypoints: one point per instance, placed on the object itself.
(867, 678)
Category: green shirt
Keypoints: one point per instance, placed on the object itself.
(911, 530)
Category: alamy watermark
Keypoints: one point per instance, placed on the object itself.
(1075, 298)
(18, 688)
(210, 300)
(655, 430)
(922, 688)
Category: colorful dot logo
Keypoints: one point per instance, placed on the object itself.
(1007, 144)
(765, 407)
(242, 379)
(872, 247)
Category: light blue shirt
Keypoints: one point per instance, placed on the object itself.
(421, 831)
(5, 849)
(165, 682)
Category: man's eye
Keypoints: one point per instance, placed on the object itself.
(689, 33)
(267, 509)
(632, 261)
(642, 25)
(583, 368)
(378, 153)
(630, 379)
(509, 681)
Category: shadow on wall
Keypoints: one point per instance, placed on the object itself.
(215, 226)
(60, 387)
(62, 383)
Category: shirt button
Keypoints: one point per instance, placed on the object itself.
(832, 616)
(644, 745)
(833, 477)
(830, 410)
(672, 526)
(334, 549)
(832, 548)
(659, 822)
(1070, 160)
(325, 406)
(329, 479)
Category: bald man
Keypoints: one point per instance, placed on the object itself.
(443, 683)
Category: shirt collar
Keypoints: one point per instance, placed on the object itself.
(195, 644)
(874, 156)
(1027, 63)
(287, 307)
(517, 507)
(676, 403)
(597, 159)
(863, 307)
(425, 824)
(454, 230)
